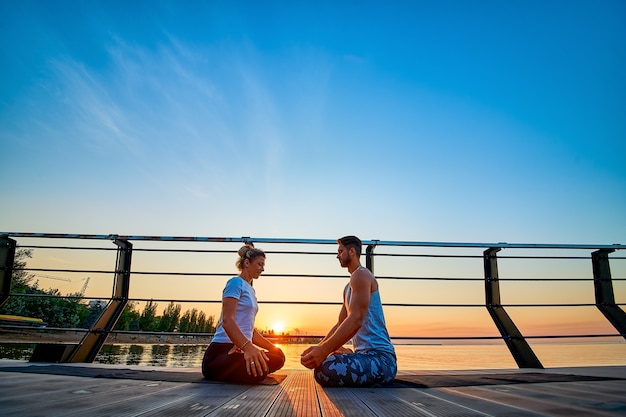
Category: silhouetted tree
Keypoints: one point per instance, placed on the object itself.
(184, 322)
(170, 318)
(148, 319)
(20, 281)
(55, 310)
(129, 319)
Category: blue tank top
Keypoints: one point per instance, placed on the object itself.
(373, 333)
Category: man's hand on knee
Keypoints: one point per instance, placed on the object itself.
(314, 356)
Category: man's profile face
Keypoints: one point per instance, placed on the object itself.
(343, 254)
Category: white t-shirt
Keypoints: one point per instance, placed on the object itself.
(247, 307)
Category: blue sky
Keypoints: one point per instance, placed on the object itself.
(423, 121)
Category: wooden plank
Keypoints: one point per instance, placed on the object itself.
(62, 395)
(575, 394)
(254, 401)
(184, 400)
(614, 388)
(394, 402)
(129, 405)
(298, 397)
(329, 409)
(346, 401)
(34, 389)
(604, 391)
(440, 402)
(29, 384)
(524, 400)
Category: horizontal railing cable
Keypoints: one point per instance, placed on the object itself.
(304, 302)
(374, 242)
(382, 277)
(270, 252)
(99, 248)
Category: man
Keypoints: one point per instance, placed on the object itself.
(361, 319)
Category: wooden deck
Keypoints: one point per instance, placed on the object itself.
(28, 389)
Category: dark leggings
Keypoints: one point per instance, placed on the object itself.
(218, 365)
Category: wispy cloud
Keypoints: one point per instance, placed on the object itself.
(93, 111)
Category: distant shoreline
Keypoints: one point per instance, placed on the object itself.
(29, 337)
(13, 336)
(115, 338)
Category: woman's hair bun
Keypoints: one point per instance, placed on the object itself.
(245, 249)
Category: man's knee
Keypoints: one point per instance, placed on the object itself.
(320, 377)
(327, 373)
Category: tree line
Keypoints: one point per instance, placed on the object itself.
(59, 311)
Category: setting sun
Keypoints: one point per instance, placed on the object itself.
(278, 327)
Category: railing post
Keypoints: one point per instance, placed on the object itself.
(92, 342)
(603, 286)
(369, 257)
(7, 257)
(519, 348)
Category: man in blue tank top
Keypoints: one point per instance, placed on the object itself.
(361, 319)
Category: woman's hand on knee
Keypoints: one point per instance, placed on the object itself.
(256, 360)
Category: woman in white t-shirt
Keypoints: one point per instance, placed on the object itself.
(238, 353)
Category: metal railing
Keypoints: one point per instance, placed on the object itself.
(391, 252)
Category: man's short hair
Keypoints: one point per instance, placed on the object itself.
(351, 242)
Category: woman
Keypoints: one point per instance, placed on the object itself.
(238, 353)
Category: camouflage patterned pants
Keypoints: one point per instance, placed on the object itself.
(361, 369)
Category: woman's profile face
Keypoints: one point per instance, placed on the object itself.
(256, 266)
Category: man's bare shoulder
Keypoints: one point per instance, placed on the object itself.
(362, 277)
(362, 272)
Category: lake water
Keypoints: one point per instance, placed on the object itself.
(410, 357)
